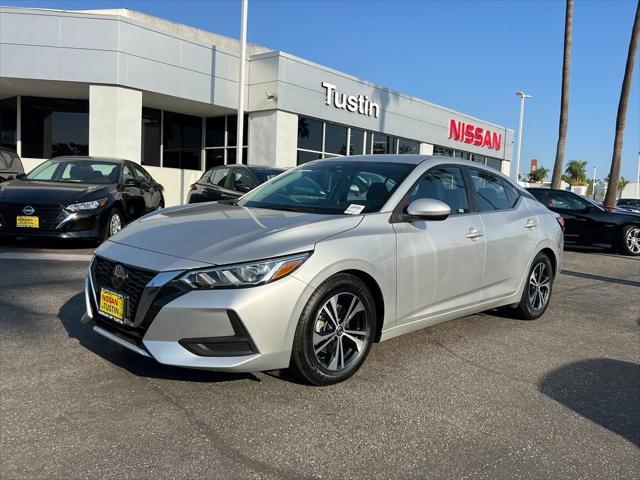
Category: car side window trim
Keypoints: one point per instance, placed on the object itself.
(474, 194)
(399, 216)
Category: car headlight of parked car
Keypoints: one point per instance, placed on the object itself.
(92, 205)
(245, 274)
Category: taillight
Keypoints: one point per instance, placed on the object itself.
(560, 221)
(193, 187)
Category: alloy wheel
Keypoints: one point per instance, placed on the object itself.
(633, 240)
(539, 286)
(115, 224)
(340, 331)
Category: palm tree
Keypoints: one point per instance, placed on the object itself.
(614, 173)
(576, 172)
(564, 100)
(538, 175)
(622, 183)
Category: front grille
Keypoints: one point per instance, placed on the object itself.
(49, 216)
(133, 286)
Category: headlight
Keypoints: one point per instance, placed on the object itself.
(92, 205)
(245, 274)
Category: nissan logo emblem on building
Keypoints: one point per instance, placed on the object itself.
(118, 276)
(28, 210)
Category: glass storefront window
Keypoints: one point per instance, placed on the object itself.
(182, 141)
(304, 157)
(494, 163)
(408, 146)
(8, 122)
(52, 127)
(356, 142)
(309, 134)
(213, 157)
(151, 128)
(232, 129)
(442, 151)
(383, 144)
(335, 139)
(478, 158)
(214, 135)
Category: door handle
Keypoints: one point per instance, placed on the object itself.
(531, 223)
(474, 234)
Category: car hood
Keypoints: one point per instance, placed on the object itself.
(220, 234)
(47, 193)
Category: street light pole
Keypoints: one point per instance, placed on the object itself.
(522, 96)
(243, 61)
(593, 183)
(638, 178)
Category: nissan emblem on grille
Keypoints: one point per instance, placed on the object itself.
(28, 210)
(118, 276)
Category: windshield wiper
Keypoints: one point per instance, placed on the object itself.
(287, 208)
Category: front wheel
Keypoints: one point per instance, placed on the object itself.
(630, 240)
(537, 291)
(114, 224)
(335, 331)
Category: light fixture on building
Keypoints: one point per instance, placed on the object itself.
(271, 97)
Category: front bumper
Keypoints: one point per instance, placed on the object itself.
(235, 330)
(55, 222)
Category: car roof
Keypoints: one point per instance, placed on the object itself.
(88, 158)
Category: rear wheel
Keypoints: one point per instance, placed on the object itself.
(630, 240)
(537, 291)
(335, 331)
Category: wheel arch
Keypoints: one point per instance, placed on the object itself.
(552, 258)
(378, 297)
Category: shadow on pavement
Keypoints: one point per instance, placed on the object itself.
(600, 278)
(70, 314)
(603, 390)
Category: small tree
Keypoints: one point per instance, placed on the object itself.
(576, 172)
(538, 175)
(622, 183)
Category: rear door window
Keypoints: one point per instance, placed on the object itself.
(489, 191)
(219, 177)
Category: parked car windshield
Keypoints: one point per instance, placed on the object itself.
(76, 171)
(331, 187)
(629, 202)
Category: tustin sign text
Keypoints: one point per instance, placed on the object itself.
(360, 104)
(469, 133)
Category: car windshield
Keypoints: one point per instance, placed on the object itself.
(629, 202)
(264, 174)
(331, 187)
(76, 171)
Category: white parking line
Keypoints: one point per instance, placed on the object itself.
(61, 257)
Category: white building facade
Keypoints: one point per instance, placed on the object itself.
(119, 83)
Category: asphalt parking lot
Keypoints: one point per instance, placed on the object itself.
(481, 397)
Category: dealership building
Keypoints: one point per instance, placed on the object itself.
(120, 83)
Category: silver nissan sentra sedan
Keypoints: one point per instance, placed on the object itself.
(310, 269)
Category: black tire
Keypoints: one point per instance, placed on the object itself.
(531, 305)
(107, 231)
(315, 368)
(629, 240)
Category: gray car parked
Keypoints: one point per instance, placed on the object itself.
(310, 269)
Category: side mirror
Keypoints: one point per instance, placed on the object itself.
(241, 187)
(132, 182)
(428, 209)
(20, 176)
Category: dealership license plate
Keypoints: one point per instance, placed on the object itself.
(27, 221)
(112, 305)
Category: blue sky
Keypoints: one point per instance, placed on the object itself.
(467, 55)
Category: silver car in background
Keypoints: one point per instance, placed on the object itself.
(310, 269)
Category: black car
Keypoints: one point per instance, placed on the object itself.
(77, 197)
(10, 164)
(229, 181)
(631, 204)
(588, 224)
